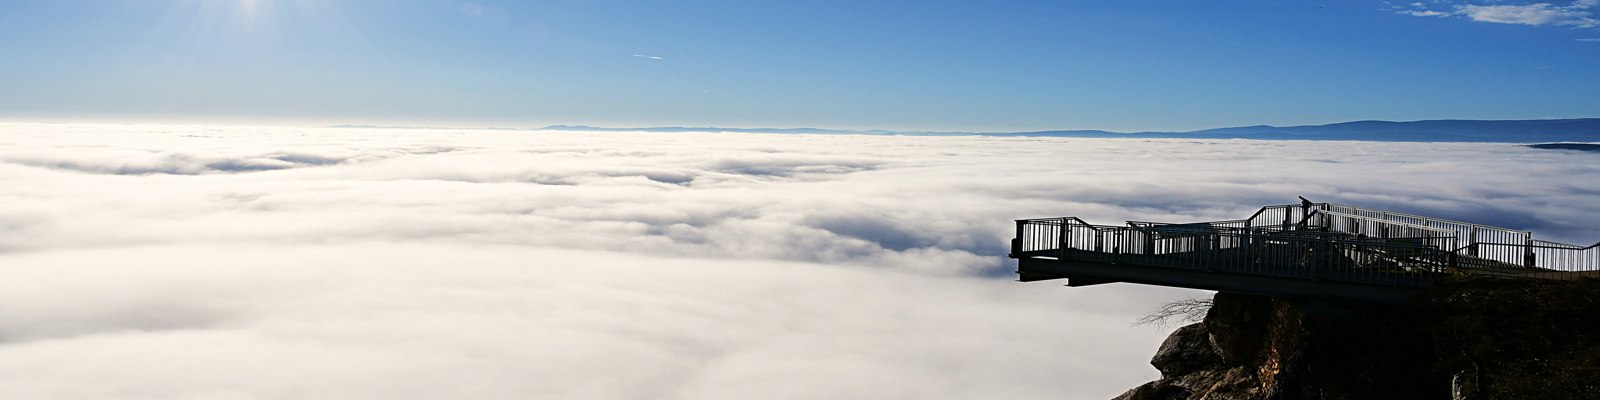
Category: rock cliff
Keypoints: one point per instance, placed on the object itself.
(1479, 340)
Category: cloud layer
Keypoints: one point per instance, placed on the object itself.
(238, 262)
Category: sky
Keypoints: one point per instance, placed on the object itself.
(925, 65)
(267, 262)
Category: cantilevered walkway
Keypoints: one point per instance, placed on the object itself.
(1317, 250)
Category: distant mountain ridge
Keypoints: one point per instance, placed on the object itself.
(1449, 130)
(1546, 130)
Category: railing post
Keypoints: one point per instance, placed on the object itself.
(1213, 242)
(1061, 241)
(1322, 218)
(1016, 242)
(1316, 258)
(1527, 255)
(1099, 241)
(1066, 236)
(1472, 237)
(1249, 250)
(1247, 241)
(1116, 247)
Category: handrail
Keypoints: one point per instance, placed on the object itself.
(1465, 231)
(1086, 223)
(1231, 221)
(1264, 209)
(1400, 214)
(1562, 257)
(1553, 245)
(1387, 222)
(1321, 241)
(1572, 246)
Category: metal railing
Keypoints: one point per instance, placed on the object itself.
(1540, 256)
(1501, 247)
(1234, 250)
(1379, 223)
(1284, 217)
(1315, 241)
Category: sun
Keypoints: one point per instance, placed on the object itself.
(248, 8)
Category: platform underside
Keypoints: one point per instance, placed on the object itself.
(1085, 273)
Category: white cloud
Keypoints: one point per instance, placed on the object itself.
(172, 262)
(1576, 14)
(1425, 13)
(646, 56)
(429, 321)
(1536, 14)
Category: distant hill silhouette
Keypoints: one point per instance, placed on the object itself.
(1546, 130)
(1590, 147)
(1448, 130)
(1505, 131)
(1512, 131)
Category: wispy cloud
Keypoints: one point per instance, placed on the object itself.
(1588, 40)
(646, 56)
(1577, 14)
(1424, 13)
(1537, 14)
(472, 9)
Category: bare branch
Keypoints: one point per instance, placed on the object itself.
(1188, 310)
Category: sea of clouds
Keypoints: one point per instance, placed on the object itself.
(216, 262)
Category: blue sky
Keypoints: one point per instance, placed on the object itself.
(925, 65)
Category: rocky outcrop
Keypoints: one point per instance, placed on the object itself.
(1254, 347)
(1188, 349)
(1479, 340)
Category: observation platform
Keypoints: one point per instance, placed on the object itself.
(1315, 250)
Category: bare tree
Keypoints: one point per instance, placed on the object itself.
(1183, 311)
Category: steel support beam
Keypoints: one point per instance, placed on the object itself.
(1079, 273)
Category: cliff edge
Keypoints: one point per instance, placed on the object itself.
(1491, 339)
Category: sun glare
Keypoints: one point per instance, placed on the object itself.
(248, 9)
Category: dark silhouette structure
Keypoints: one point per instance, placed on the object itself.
(1316, 250)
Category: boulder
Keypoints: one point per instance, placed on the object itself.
(1187, 350)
